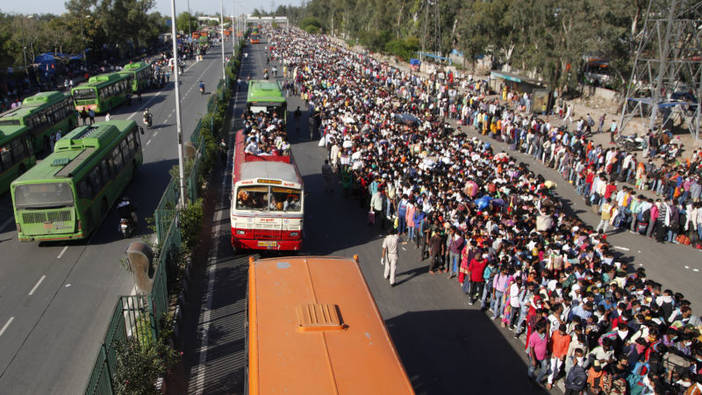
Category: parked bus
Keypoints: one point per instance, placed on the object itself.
(43, 114)
(266, 96)
(102, 92)
(267, 204)
(255, 38)
(68, 194)
(15, 154)
(314, 328)
(142, 75)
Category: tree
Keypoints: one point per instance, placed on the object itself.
(186, 22)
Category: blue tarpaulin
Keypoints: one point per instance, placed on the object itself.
(415, 62)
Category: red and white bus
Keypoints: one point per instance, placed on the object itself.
(267, 205)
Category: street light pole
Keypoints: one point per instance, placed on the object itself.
(221, 35)
(179, 127)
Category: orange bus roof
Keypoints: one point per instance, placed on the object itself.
(314, 328)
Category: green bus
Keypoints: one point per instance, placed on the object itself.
(67, 195)
(266, 96)
(102, 92)
(15, 154)
(142, 76)
(43, 114)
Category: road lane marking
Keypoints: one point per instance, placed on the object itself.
(37, 285)
(622, 248)
(145, 104)
(148, 142)
(4, 328)
(62, 252)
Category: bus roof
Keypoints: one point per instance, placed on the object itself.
(264, 91)
(136, 66)
(8, 132)
(100, 80)
(269, 170)
(42, 98)
(315, 328)
(74, 150)
(251, 167)
(16, 114)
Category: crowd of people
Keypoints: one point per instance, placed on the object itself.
(483, 218)
(265, 134)
(607, 177)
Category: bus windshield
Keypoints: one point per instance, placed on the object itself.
(261, 198)
(285, 199)
(55, 194)
(80, 94)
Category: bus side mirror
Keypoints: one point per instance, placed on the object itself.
(141, 130)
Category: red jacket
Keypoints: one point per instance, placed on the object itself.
(476, 268)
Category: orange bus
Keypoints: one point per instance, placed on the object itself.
(314, 328)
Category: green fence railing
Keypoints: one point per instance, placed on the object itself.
(166, 209)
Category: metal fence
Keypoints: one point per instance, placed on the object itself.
(166, 210)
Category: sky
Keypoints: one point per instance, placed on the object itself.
(162, 6)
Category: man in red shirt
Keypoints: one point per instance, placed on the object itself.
(476, 267)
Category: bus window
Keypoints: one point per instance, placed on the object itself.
(18, 150)
(116, 160)
(252, 198)
(285, 199)
(85, 191)
(6, 156)
(96, 179)
(83, 94)
(44, 195)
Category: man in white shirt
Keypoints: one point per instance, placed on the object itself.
(390, 255)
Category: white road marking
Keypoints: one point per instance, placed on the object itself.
(156, 133)
(148, 142)
(37, 285)
(67, 285)
(622, 248)
(695, 270)
(62, 252)
(4, 328)
(7, 222)
(145, 104)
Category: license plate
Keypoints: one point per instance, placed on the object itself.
(268, 244)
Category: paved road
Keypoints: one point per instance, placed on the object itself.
(446, 347)
(56, 299)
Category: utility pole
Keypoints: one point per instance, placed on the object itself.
(221, 36)
(190, 32)
(179, 126)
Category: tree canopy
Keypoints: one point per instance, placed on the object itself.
(548, 37)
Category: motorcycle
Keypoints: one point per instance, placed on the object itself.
(127, 225)
(202, 90)
(147, 120)
(632, 142)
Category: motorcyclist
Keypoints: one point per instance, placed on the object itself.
(202, 87)
(265, 73)
(127, 210)
(147, 117)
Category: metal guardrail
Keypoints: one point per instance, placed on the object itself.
(166, 210)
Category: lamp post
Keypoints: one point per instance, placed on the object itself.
(179, 128)
(221, 36)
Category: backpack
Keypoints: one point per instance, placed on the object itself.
(576, 379)
(635, 378)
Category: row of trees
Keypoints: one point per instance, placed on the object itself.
(549, 37)
(124, 26)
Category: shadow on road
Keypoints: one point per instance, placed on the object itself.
(460, 347)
